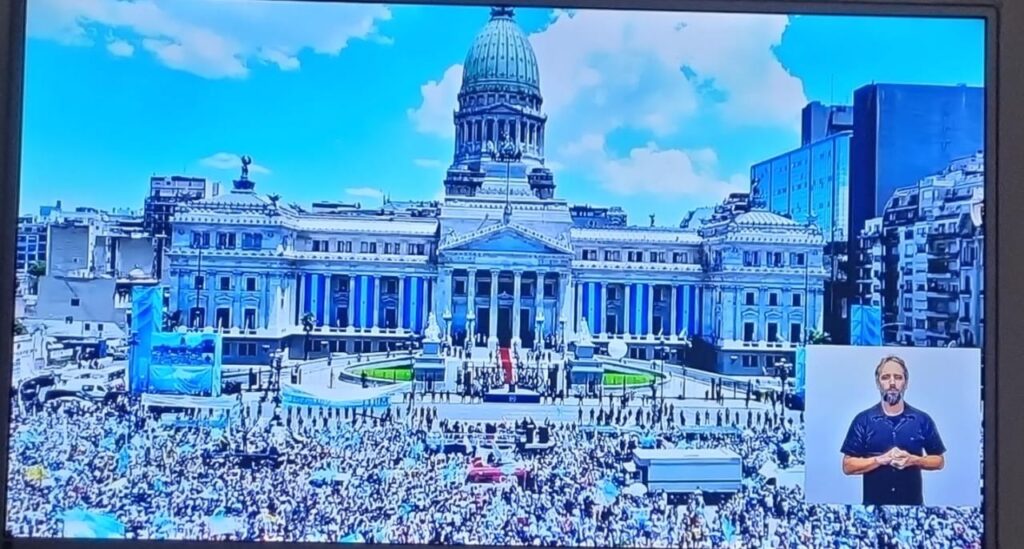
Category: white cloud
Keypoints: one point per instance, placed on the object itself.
(668, 173)
(428, 163)
(439, 99)
(120, 48)
(230, 161)
(633, 62)
(606, 70)
(366, 192)
(691, 175)
(214, 43)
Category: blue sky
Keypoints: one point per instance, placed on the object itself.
(658, 113)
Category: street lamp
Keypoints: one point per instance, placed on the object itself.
(447, 316)
(538, 341)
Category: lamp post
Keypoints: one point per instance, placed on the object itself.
(561, 333)
(538, 338)
(447, 316)
(782, 367)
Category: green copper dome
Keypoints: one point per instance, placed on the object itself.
(501, 57)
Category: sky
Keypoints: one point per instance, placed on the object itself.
(658, 113)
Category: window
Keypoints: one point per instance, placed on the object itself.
(908, 303)
(200, 239)
(657, 257)
(795, 331)
(226, 241)
(460, 287)
(751, 298)
(750, 361)
(748, 331)
(797, 259)
(549, 288)
(75, 302)
(773, 332)
(612, 255)
(252, 241)
(798, 299)
(250, 319)
(751, 259)
(390, 286)
(636, 257)
(417, 249)
(372, 246)
(87, 326)
(246, 349)
(590, 255)
(250, 284)
(223, 317)
(773, 299)
(99, 326)
(680, 257)
(775, 259)
(225, 283)
(199, 282)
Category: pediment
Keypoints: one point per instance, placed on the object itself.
(506, 239)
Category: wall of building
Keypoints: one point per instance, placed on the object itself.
(82, 299)
(71, 249)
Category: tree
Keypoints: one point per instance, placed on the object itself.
(818, 338)
(37, 268)
(19, 327)
(308, 323)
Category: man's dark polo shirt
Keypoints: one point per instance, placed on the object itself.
(873, 433)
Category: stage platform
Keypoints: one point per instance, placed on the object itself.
(520, 396)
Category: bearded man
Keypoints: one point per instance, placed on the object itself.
(890, 443)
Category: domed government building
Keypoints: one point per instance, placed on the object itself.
(501, 260)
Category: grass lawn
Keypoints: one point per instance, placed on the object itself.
(400, 373)
(632, 380)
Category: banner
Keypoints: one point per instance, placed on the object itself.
(865, 325)
(82, 523)
(147, 319)
(348, 396)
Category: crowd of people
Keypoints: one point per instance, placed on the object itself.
(383, 476)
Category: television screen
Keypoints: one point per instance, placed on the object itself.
(423, 274)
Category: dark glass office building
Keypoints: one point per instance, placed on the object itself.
(904, 133)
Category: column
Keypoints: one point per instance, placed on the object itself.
(603, 307)
(351, 301)
(401, 302)
(673, 329)
(650, 310)
(328, 298)
(761, 328)
(627, 307)
(471, 301)
(516, 297)
(375, 302)
(428, 283)
(237, 293)
(566, 299)
(575, 321)
(494, 305)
